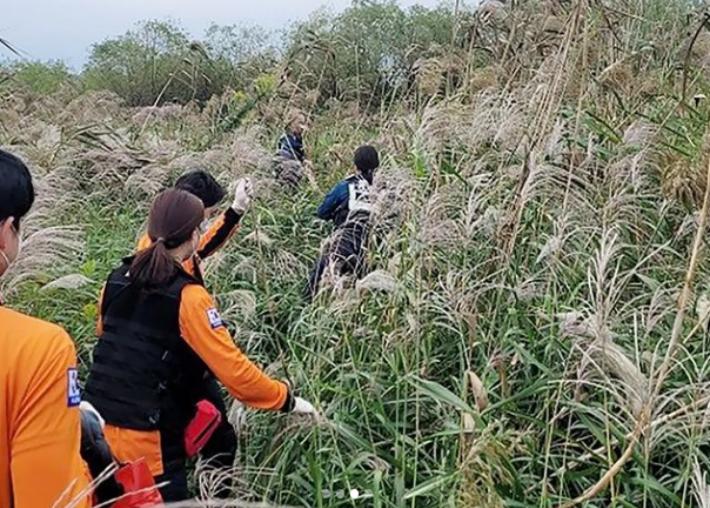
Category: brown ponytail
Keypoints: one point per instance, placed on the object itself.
(174, 217)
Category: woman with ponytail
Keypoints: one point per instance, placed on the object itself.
(173, 228)
(160, 336)
(348, 206)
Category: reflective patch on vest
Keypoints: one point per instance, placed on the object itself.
(73, 390)
(359, 198)
(214, 318)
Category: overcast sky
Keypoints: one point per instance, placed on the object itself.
(65, 29)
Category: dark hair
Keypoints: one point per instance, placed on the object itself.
(16, 190)
(366, 159)
(174, 216)
(203, 185)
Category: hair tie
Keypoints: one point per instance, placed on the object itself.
(160, 240)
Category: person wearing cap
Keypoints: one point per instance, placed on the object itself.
(349, 207)
(40, 419)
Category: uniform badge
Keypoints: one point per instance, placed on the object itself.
(73, 390)
(214, 318)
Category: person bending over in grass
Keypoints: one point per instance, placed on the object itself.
(40, 429)
(220, 451)
(160, 336)
(349, 206)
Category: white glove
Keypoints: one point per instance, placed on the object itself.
(85, 406)
(303, 406)
(242, 196)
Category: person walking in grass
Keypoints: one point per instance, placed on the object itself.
(160, 337)
(291, 161)
(291, 142)
(40, 429)
(203, 185)
(220, 451)
(349, 207)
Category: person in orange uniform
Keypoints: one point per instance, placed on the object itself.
(203, 185)
(221, 449)
(160, 335)
(40, 429)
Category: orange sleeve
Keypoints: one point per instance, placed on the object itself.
(144, 243)
(99, 319)
(214, 239)
(202, 328)
(45, 462)
(219, 233)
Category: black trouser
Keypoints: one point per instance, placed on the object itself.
(219, 452)
(347, 253)
(172, 449)
(289, 171)
(221, 449)
(97, 454)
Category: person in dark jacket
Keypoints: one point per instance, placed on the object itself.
(291, 142)
(349, 207)
(291, 161)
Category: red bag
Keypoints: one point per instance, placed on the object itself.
(139, 486)
(200, 429)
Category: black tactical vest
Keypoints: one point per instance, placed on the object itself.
(144, 375)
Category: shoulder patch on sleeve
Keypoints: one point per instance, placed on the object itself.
(214, 318)
(73, 390)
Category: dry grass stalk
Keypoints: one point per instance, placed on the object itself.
(682, 181)
(379, 280)
(700, 484)
(676, 340)
(479, 391)
(240, 303)
(259, 237)
(611, 361)
(702, 310)
(227, 503)
(656, 423)
(73, 281)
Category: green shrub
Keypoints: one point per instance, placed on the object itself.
(43, 78)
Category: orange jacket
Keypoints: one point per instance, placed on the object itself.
(202, 329)
(214, 239)
(40, 423)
